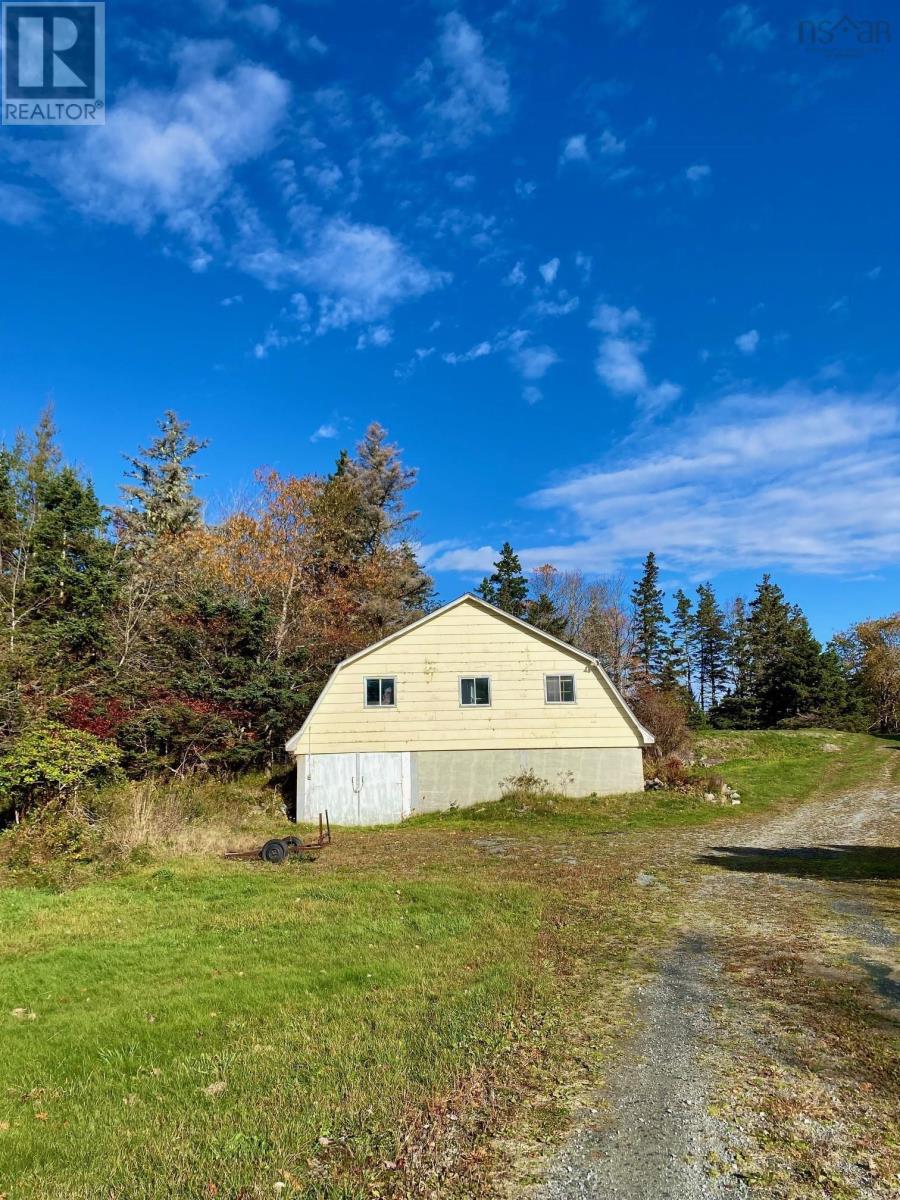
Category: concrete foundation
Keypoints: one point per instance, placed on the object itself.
(370, 789)
(442, 778)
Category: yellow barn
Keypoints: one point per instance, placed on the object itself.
(443, 711)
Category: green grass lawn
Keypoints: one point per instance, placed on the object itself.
(211, 1026)
(766, 768)
(195, 1028)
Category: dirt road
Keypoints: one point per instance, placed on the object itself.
(762, 1058)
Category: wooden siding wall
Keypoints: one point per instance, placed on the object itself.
(427, 663)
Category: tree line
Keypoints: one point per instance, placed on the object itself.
(148, 637)
(747, 664)
(189, 643)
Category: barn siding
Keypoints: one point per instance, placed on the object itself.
(427, 662)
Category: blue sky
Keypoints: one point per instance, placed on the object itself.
(616, 275)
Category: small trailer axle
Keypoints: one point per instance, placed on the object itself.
(276, 850)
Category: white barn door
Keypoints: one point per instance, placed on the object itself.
(359, 789)
(330, 780)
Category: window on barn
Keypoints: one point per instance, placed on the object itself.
(381, 693)
(475, 689)
(559, 689)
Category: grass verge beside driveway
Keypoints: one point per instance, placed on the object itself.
(364, 1025)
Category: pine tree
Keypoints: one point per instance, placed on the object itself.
(543, 614)
(507, 588)
(712, 647)
(650, 620)
(161, 502)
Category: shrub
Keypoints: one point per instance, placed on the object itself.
(51, 762)
(666, 716)
(526, 783)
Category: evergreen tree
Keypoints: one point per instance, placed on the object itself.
(72, 578)
(682, 642)
(738, 708)
(712, 648)
(381, 480)
(785, 657)
(650, 621)
(543, 614)
(507, 588)
(835, 698)
(161, 502)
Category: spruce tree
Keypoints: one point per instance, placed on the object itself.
(507, 588)
(161, 502)
(712, 647)
(683, 640)
(785, 657)
(650, 620)
(738, 707)
(543, 614)
(72, 577)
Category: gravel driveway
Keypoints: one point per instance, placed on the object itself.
(651, 1135)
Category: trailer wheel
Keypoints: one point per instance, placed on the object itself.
(273, 851)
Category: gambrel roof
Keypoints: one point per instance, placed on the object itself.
(644, 734)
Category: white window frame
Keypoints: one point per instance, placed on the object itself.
(561, 675)
(490, 699)
(381, 678)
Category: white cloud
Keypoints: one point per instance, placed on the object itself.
(549, 270)
(718, 491)
(697, 172)
(525, 188)
(561, 307)
(516, 277)
(264, 18)
(575, 149)
(19, 205)
(477, 559)
(480, 350)
(744, 26)
(619, 366)
(609, 145)
(474, 91)
(533, 362)
(169, 156)
(405, 369)
(377, 336)
(620, 357)
(326, 177)
(323, 433)
(610, 319)
(747, 342)
(874, 273)
(462, 183)
(230, 301)
(361, 273)
(584, 265)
